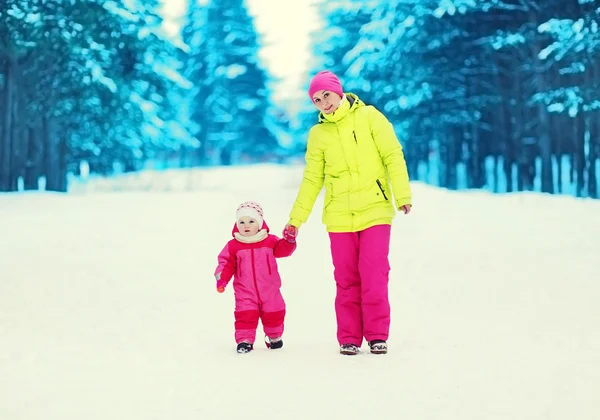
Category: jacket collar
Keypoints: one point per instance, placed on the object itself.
(349, 103)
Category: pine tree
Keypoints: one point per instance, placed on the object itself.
(87, 80)
(336, 44)
(230, 97)
(573, 91)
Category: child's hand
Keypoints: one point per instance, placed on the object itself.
(290, 233)
(221, 286)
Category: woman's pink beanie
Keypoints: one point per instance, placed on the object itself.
(325, 80)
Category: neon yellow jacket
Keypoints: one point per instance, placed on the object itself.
(355, 153)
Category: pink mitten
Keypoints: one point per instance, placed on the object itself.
(290, 233)
(221, 285)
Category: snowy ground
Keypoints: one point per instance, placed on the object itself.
(108, 308)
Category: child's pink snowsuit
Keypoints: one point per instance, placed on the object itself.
(256, 284)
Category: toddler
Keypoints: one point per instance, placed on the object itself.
(250, 259)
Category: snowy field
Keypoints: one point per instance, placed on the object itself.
(108, 307)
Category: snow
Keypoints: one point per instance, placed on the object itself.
(119, 11)
(231, 71)
(166, 69)
(98, 75)
(108, 307)
(506, 39)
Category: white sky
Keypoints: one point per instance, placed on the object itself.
(284, 26)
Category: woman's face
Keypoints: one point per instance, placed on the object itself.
(326, 101)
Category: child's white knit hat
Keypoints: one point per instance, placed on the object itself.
(250, 209)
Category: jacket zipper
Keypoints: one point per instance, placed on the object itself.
(254, 276)
(354, 134)
(381, 188)
(268, 263)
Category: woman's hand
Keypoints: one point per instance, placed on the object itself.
(406, 208)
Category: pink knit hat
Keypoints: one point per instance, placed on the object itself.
(325, 80)
(252, 210)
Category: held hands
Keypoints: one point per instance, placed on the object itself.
(290, 233)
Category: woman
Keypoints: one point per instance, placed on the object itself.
(354, 152)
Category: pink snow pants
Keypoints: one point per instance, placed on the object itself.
(271, 313)
(361, 271)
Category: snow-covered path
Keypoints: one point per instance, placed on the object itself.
(108, 310)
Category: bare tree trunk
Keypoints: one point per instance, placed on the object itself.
(527, 169)
(593, 127)
(412, 159)
(443, 152)
(452, 158)
(579, 155)
(517, 126)
(593, 130)
(51, 158)
(55, 170)
(544, 148)
(559, 152)
(19, 141)
(509, 154)
(62, 163)
(496, 168)
(477, 175)
(543, 131)
(6, 183)
(35, 153)
(506, 127)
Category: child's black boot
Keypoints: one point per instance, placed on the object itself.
(274, 343)
(244, 347)
(378, 346)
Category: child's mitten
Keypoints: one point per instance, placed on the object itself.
(221, 285)
(290, 233)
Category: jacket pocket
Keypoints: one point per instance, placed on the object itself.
(381, 189)
(268, 264)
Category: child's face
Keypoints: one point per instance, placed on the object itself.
(247, 226)
(326, 101)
